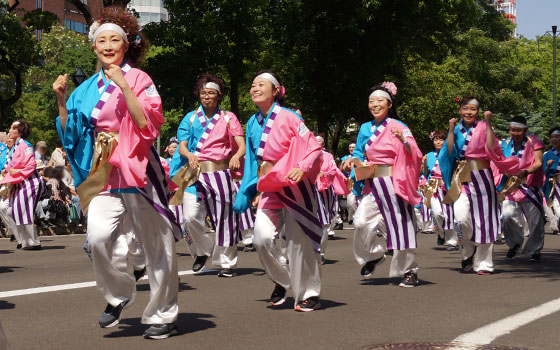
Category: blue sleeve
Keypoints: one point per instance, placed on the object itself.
(248, 188)
(447, 161)
(77, 138)
(363, 137)
(183, 134)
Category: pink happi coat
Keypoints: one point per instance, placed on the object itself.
(512, 165)
(388, 149)
(332, 176)
(290, 144)
(130, 157)
(23, 159)
(165, 165)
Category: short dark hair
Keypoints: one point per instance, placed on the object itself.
(24, 128)
(440, 134)
(467, 99)
(208, 78)
(519, 119)
(556, 128)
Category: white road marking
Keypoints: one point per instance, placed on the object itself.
(487, 334)
(57, 288)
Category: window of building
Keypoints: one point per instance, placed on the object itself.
(75, 26)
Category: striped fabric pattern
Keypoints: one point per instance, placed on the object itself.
(398, 215)
(483, 200)
(301, 203)
(208, 128)
(24, 199)
(447, 211)
(467, 138)
(266, 131)
(246, 220)
(105, 95)
(327, 201)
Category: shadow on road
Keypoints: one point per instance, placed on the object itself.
(145, 287)
(49, 247)
(5, 251)
(289, 304)
(250, 271)
(384, 281)
(187, 323)
(4, 305)
(4, 269)
(521, 267)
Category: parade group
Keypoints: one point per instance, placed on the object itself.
(272, 186)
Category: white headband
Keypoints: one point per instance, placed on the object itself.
(380, 93)
(110, 26)
(518, 125)
(211, 85)
(352, 145)
(474, 101)
(555, 132)
(320, 139)
(270, 78)
(16, 123)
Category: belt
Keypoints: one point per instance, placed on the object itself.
(265, 166)
(478, 164)
(382, 170)
(208, 166)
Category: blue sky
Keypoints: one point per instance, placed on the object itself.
(535, 17)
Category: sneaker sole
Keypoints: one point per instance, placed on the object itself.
(200, 270)
(480, 273)
(279, 302)
(308, 309)
(163, 336)
(408, 285)
(371, 273)
(226, 275)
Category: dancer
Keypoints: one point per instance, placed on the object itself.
(211, 141)
(117, 113)
(434, 193)
(523, 204)
(282, 164)
(24, 186)
(551, 188)
(385, 218)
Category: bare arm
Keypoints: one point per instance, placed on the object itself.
(451, 135)
(60, 87)
(490, 136)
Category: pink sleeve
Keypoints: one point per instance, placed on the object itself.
(328, 168)
(234, 125)
(406, 170)
(340, 184)
(312, 148)
(149, 99)
(24, 160)
(165, 165)
(506, 165)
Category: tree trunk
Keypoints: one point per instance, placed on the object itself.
(17, 75)
(336, 137)
(234, 94)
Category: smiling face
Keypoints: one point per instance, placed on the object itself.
(468, 113)
(517, 134)
(171, 149)
(10, 141)
(351, 148)
(263, 92)
(438, 143)
(110, 48)
(379, 107)
(554, 141)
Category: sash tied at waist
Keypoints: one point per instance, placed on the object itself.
(463, 174)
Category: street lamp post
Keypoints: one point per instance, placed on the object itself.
(554, 28)
(78, 77)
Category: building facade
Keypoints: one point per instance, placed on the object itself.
(149, 10)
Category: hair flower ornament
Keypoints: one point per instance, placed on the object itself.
(390, 86)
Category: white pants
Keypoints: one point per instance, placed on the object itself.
(450, 236)
(423, 226)
(247, 236)
(127, 248)
(483, 257)
(351, 205)
(513, 219)
(28, 235)
(203, 242)
(6, 215)
(370, 240)
(105, 217)
(303, 273)
(555, 218)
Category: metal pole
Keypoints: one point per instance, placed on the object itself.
(554, 75)
(158, 145)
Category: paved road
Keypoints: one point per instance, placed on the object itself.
(218, 313)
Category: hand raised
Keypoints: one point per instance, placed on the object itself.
(488, 116)
(60, 86)
(452, 123)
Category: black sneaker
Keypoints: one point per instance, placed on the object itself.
(309, 304)
(138, 274)
(512, 251)
(32, 247)
(409, 280)
(161, 331)
(12, 238)
(199, 263)
(322, 260)
(338, 226)
(350, 222)
(278, 296)
(369, 267)
(249, 248)
(535, 257)
(112, 314)
(227, 273)
(389, 252)
(467, 264)
(18, 246)
(440, 240)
